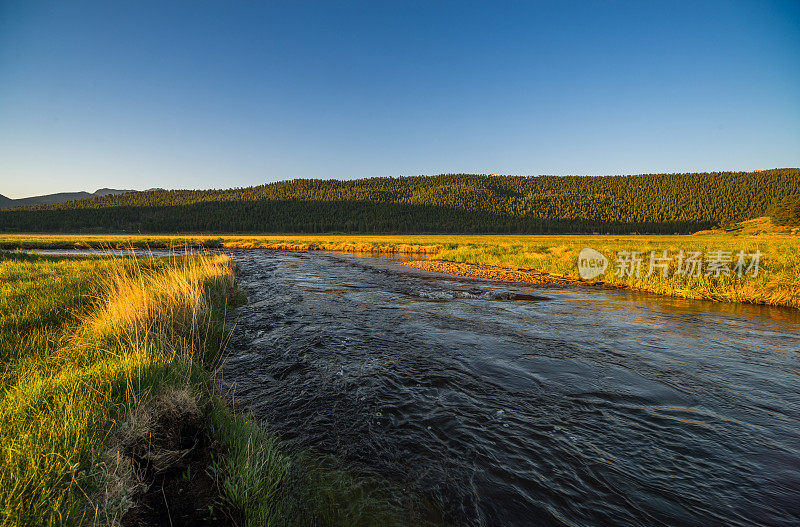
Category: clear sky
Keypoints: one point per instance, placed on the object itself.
(216, 94)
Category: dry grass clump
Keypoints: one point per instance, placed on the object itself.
(159, 433)
(122, 483)
(157, 436)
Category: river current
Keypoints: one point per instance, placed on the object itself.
(525, 405)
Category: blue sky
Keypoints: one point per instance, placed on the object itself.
(206, 94)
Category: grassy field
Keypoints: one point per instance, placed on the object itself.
(108, 406)
(777, 282)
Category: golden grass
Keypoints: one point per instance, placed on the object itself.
(173, 304)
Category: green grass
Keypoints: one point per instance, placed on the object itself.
(92, 349)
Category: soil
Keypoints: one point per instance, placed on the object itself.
(175, 460)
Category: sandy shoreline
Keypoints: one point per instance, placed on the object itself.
(493, 272)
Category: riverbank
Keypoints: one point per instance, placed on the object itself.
(772, 279)
(109, 413)
(785, 296)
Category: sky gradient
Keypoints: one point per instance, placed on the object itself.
(208, 94)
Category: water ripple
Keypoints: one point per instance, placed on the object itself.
(516, 406)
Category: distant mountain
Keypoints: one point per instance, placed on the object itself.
(60, 197)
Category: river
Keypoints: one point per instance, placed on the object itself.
(525, 405)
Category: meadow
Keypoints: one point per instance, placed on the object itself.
(109, 411)
(776, 283)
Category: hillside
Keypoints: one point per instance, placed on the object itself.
(451, 203)
(60, 197)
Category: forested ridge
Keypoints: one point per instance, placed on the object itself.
(449, 203)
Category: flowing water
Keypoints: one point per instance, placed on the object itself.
(513, 405)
